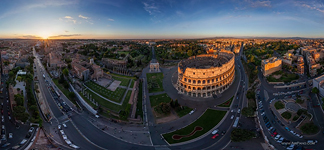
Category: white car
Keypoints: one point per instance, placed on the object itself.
(10, 135)
(239, 111)
(68, 141)
(232, 116)
(277, 137)
(64, 137)
(74, 146)
(23, 142)
(215, 131)
(191, 112)
(59, 127)
(280, 140)
(291, 147)
(64, 125)
(62, 132)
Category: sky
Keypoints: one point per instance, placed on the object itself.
(160, 19)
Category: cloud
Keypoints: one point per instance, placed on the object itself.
(111, 19)
(256, 4)
(39, 4)
(66, 31)
(30, 37)
(151, 8)
(64, 36)
(84, 17)
(314, 7)
(69, 19)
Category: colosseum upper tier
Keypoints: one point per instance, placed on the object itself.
(207, 74)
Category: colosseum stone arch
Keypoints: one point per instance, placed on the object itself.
(207, 74)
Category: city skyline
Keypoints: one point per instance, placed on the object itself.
(147, 19)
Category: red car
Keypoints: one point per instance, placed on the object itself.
(215, 136)
(274, 134)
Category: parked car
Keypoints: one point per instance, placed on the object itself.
(291, 147)
(277, 136)
(10, 136)
(232, 116)
(31, 129)
(192, 111)
(280, 140)
(59, 127)
(64, 125)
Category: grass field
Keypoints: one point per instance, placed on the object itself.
(128, 95)
(154, 82)
(116, 96)
(132, 83)
(124, 81)
(102, 102)
(207, 121)
(184, 111)
(285, 77)
(227, 103)
(157, 99)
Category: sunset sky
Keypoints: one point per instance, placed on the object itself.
(126, 19)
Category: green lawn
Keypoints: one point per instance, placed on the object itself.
(139, 110)
(157, 99)
(227, 103)
(116, 96)
(128, 95)
(285, 77)
(102, 102)
(184, 111)
(154, 82)
(124, 81)
(118, 75)
(132, 84)
(207, 121)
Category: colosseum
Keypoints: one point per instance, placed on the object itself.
(206, 75)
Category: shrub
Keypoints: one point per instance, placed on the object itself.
(279, 105)
(286, 115)
(309, 128)
(295, 118)
(299, 101)
(239, 135)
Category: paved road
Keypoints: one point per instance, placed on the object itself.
(280, 127)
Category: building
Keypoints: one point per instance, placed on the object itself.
(80, 71)
(271, 65)
(206, 75)
(97, 72)
(154, 66)
(300, 65)
(319, 84)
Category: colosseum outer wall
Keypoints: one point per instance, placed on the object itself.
(208, 81)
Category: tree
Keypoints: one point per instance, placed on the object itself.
(65, 72)
(315, 90)
(309, 128)
(61, 80)
(248, 111)
(19, 99)
(189, 53)
(286, 115)
(71, 95)
(239, 135)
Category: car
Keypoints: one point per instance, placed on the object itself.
(262, 113)
(9, 117)
(192, 111)
(74, 146)
(280, 140)
(292, 132)
(3, 127)
(62, 132)
(23, 141)
(215, 131)
(215, 136)
(31, 129)
(59, 127)
(2, 120)
(287, 128)
(5, 145)
(270, 128)
(291, 147)
(232, 116)
(64, 125)
(68, 141)
(232, 110)
(239, 111)
(223, 132)
(277, 136)
(64, 137)
(274, 134)
(10, 135)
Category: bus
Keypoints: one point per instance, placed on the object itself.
(236, 122)
(58, 94)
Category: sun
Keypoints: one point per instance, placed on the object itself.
(44, 34)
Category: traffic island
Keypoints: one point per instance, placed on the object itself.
(201, 126)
